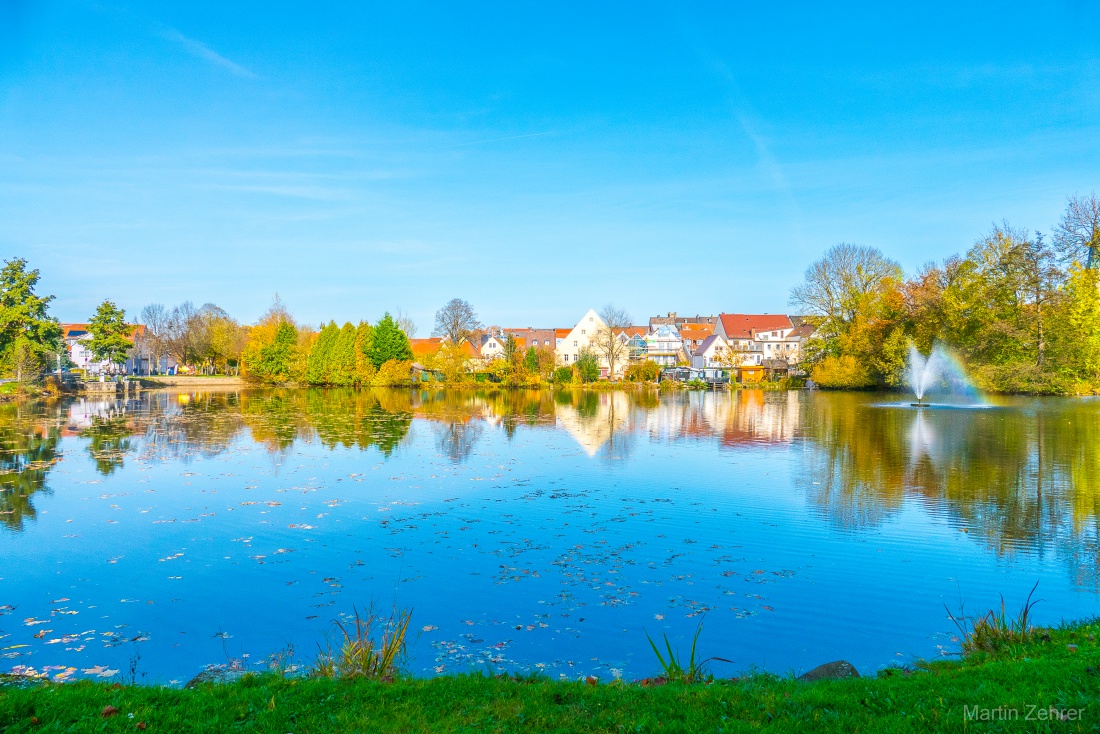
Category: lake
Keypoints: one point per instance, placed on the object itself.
(534, 531)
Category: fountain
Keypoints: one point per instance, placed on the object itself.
(940, 368)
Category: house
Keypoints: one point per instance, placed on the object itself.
(492, 347)
(534, 337)
(759, 336)
(693, 336)
(579, 338)
(681, 321)
(77, 336)
(664, 346)
(710, 353)
(583, 335)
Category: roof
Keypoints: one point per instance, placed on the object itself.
(803, 330)
(707, 343)
(745, 325)
(561, 333)
(76, 331)
(696, 333)
(67, 330)
(421, 347)
(632, 330)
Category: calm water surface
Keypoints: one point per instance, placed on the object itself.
(530, 531)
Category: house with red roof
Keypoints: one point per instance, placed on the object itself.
(764, 337)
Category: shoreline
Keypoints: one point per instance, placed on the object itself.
(1048, 679)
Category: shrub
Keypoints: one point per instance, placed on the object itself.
(588, 366)
(393, 373)
(563, 375)
(647, 371)
(843, 373)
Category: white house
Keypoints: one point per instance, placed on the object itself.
(664, 346)
(579, 338)
(709, 355)
(583, 336)
(760, 337)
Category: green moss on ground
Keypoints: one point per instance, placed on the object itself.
(1060, 670)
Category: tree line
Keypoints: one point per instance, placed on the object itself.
(1020, 310)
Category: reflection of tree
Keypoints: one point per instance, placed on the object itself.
(456, 440)
(27, 452)
(1017, 479)
(181, 426)
(108, 441)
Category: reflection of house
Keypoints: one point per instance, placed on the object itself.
(594, 426)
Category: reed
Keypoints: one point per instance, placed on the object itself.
(673, 670)
(993, 631)
(369, 646)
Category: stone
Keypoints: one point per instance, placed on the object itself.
(835, 669)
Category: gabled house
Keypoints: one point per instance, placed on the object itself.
(709, 354)
(694, 335)
(76, 338)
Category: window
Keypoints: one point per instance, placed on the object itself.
(582, 331)
(574, 342)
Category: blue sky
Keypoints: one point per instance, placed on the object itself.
(536, 160)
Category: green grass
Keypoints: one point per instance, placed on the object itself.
(1058, 668)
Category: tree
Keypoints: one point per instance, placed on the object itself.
(110, 334)
(320, 355)
(275, 359)
(388, 342)
(1078, 234)
(180, 336)
(405, 323)
(263, 360)
(28, 335)
(837, 286)
(608, 340)
(342, 361)
(364, 368)
(588, 365)
(1077, 333)
(456, 321)
(155, 318)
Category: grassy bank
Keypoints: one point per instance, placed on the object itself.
(1052, 677)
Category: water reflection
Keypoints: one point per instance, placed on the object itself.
(28, 450)
(1026, 475)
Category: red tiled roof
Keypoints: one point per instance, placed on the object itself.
(68, 329)
(633, 330)
(695, 333)
(745, 325)
(561, 333)
(421, 347)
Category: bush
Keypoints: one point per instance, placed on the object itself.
(393, 373)
(563, 375)
(647, 371)
(842, 373)
(588, 366)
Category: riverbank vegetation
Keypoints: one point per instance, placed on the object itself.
(1020, 310)
(1045, 682)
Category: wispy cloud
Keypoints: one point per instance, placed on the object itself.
(200, 50)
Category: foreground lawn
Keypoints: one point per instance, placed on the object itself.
(1051, 683)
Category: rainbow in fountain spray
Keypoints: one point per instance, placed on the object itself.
(940, 370)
